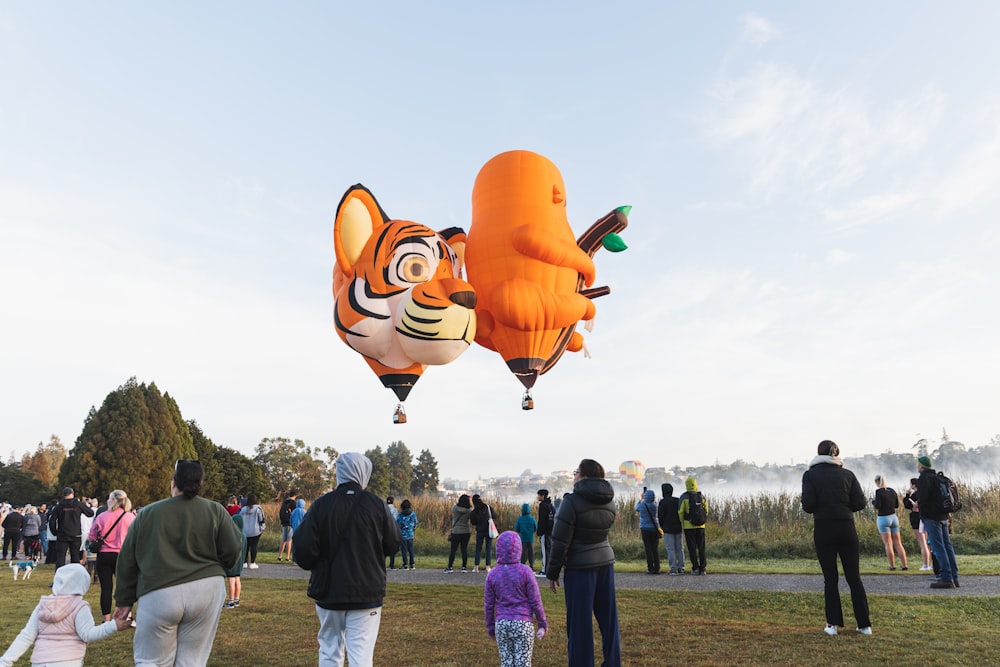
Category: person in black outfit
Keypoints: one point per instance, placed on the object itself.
(832, 494)
(66, 526)
(13, 524)
(480, 518)
(673, 531)
(546, 518)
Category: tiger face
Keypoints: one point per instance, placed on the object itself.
(400, 298)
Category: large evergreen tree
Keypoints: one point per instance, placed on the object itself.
(131, 443)
(380, 479)
(19, 487)
(400, 468)
(240, 475)
(214, 486)
(425, 474)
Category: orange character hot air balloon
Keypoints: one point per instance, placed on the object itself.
(528, 270)
(400, 298)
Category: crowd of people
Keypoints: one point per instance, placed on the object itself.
(180, 560)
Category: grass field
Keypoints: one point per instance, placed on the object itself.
(426, 625)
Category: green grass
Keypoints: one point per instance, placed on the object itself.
(426, 625)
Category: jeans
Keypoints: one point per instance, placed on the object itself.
(675, 550)
(939, 540)
(348, 631)
(480, 538)
(407, 548)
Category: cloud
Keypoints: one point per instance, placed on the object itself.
(837, 257)
(973, 179)
(757, 30)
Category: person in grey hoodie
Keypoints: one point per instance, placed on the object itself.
(62, 624)
(649, 527)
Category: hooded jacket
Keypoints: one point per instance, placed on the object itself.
(580, 534)
(546, 516)
(407, 520)
(526, 524)
(666, 511)
(830, 492)
(62, 624)
(298, 513)
(647, 512)
(683, 507)
(929, 495)
(511, 590)
(344, 539)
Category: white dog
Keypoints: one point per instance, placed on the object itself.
(26, 566)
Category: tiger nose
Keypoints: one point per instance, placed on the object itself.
(466, 298)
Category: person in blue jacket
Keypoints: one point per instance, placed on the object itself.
(525, 526)
(407, 520)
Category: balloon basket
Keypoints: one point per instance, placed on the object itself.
(399, 416)
(527, 402)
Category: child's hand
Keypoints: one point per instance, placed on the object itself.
(123, 623)
(540, 633)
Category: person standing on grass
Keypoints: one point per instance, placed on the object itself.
(343, 541)
(234, 574)
(67, 526)
(936, 522)
(512, 603)
(693, 511)
(919, 533)
(673, 531)
(649, 527)
(298, 514)
(886, 502)
(285, 519)
(526, 526)
(580, 545)
(113, 526)
(832, 494)
(460, 532)
(480, 519)
(407, 520)
(390, 506)
(253, 528)
(546, 517)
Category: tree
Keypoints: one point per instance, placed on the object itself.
(206, 449)
(400, 468)
(380, 479)
(287, 465)
(44, 464)
(131, 443)
(20, 487)
(240, 475)
(425, 474)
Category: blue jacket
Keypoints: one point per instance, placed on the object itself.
(526, 524)
(407, 520)
(647, 511)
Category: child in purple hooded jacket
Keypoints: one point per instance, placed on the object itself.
(512, 603)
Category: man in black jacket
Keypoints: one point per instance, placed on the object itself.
(546, 518)
(936, 522)
(673, 531)
(13, 524)
(66, 525)
(343, 540)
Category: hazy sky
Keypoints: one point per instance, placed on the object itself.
(813, 240)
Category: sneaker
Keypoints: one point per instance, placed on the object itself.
(673, 573)
(228, 605)
(236, 602)
(943, 584)
(892, 569)
(475, 570)
(830, 630)
(412, 568)
(464, 570)
(865, 630)
(904, 568)
(540, 575)
(448, 570)
(253, 566)
(926, 568)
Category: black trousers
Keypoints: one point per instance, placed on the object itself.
(651, 543)
(460, 540)
(12, 539)
(833, 539)
(695, 539)
(106, 563)
(61, 547)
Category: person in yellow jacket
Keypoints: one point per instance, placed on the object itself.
(693, 512)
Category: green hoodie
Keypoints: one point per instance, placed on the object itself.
(692, 487)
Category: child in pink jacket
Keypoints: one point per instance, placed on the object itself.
(512, 603)
(62, 624)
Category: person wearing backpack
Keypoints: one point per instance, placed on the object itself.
(693, 513)
(935, 515)
(285, 518)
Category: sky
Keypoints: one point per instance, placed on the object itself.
(813, 239)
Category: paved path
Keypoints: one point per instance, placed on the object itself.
(911, 583)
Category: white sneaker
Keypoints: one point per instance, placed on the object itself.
(253, 566)
(925, 568)
(865, 631)
(830, 630)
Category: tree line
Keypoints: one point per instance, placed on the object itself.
(132, 441)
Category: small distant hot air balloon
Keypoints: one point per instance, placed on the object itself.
(633, 472)
(528, 271)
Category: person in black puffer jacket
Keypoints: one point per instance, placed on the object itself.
(832, 495)
(580, 546)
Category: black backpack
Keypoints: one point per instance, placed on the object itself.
(285, 513)
(696, 514)
(948, 500)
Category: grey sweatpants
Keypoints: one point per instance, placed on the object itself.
(175, 626)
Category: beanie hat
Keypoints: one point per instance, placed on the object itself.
(925, 461)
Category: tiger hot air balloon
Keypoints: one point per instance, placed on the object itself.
(632, 472)
(528, 271)
(399, 297)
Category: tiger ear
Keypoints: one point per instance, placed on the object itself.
(455, 236)
(358, 214)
